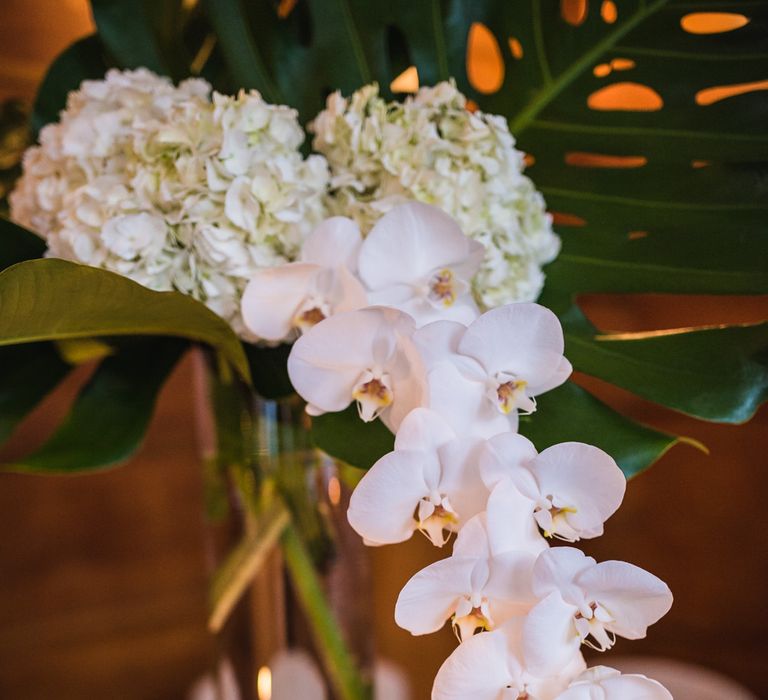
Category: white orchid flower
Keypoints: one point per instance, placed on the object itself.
(364, 356)
(429, 483)
(583, 601)
(491, 666)
(480, 586)
(278, 301)
(480, 377)
(609, 684)
(569, 490)
(417, 259)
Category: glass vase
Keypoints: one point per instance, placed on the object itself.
(290, 594)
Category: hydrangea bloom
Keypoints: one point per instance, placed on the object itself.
(170, 188)
(431, 148)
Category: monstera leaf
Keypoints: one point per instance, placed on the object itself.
(647, 132)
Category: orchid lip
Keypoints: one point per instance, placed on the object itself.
(373, 394)
(442, 289)
(509, 394)
(436, 519)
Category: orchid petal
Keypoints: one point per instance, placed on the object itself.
(503, 455)
(460, 477)
(582, 477)
(633, 597)
(522, 339)
(510, 521)
(556, 569)
(472, 540)
(430, 596)
(550, 639)
(327, 361)
(608, 684)
(478, 669)
(335, 242)
(436, 341)
(273, 296)
(382, 505)
(464, 404)
(563, 370)
(423, 429)
(408, 243)
(509, 585)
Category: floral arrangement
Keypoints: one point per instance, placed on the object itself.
(181, 192)
(386, 270)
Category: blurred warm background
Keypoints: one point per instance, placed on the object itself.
(102, 578)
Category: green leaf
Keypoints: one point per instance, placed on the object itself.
(27, 374)
(347, 438)
(633, 446)
(55, 299)
(683, 262)
(717, 374)
(269, 370)
(82, 60)
(109, 418)
(240, 49)
(17, 244)
(124, 27)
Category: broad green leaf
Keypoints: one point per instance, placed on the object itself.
(632, 445)
(55, 300)
(683, 262)
(125, 29)
(269, 370)
(718, 374)
(81, 61)
(144, 34)
(17, 244)
(109, 418)
(27, 374)
(349, 439)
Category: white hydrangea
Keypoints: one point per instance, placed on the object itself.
(433, 149)
(172, 188)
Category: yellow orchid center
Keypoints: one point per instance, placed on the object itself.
(508, 393)
(373, 394)
(442, 288)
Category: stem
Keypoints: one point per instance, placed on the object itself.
(337, 659)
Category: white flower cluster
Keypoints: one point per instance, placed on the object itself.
(433, 149)
(171, 188)
(451, 393)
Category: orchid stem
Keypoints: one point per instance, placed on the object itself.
(337, 659)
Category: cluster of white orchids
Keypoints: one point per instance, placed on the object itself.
(390, 323)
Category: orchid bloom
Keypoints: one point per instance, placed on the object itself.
(429, 483)
(481, 376)
(480, 586)
(417, 259)
(364, 356)
(583, 601)
(279, 301)
(491, 666)
(608, 684)
(569, 490)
